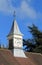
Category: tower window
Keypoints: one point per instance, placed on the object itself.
(11, 44)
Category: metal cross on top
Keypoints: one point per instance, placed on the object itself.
(14, 14)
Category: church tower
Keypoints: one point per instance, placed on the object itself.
(15, 38)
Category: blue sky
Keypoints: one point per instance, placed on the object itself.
(27, 13)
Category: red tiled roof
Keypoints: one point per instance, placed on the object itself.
(35, 57)
(6, 58)
(24, 61)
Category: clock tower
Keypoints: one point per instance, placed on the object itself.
(15, 38)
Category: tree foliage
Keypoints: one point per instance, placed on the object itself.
(34, 44)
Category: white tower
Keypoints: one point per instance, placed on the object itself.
(16, 41)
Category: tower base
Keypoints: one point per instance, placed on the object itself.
(19, 53)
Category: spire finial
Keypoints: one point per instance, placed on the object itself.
(14, 15)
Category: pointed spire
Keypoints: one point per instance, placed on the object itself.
(14, 28)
